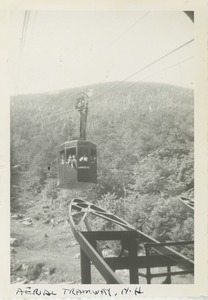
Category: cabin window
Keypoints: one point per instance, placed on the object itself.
(71, 158)
(83, 156)
(93, 156)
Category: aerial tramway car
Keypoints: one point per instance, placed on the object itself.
(77, 159)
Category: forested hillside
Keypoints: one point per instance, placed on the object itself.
(145, 138)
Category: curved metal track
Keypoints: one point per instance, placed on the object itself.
(80, 210)
(79, 207)
(188, 204)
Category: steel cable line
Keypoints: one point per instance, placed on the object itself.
(141, 80)
(26, 28)
(130, 85)
(24, 31)
(59, 112)
(130, 27)
(128, 77)
(142, 69)
(127, 30)
(23, 37)
(134, 83)
(149, 76)
(165, 69)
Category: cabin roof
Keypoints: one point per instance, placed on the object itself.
(74, 143)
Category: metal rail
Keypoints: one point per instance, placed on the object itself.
(169, 273)
(80, 210)
(188, 204)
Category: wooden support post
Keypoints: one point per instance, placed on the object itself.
(85, 268)
(133, 270)
(168, 281)
(148, 264)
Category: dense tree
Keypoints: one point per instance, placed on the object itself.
(145, 136)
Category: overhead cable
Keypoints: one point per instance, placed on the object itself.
(130, 76)
(133, 83)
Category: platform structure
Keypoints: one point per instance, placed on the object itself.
(154, 254)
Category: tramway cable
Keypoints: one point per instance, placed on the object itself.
(24, 32)
(165, 69)
(144, 68)
(22, 43)
(129, 28)
(126, 78)
(126, 87)
(115, 40)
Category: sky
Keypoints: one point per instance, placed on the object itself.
(66, 49)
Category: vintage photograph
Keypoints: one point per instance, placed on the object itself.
(102, 147)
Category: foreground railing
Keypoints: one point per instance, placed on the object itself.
(161, 261)
(90, 252)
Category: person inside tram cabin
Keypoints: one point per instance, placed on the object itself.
(62, 159)
(93, 159)
(74, 162)
(69, 161)
(84, 159)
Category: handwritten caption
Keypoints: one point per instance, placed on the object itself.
(108, 292)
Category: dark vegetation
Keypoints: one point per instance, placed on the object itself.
(145, 138)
